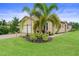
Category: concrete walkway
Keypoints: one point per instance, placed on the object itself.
(18, 34)
(56, 35)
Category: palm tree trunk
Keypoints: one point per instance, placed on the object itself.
(27, 29)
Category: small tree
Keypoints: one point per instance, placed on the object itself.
(14, 25)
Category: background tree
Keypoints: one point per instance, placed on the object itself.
(4, 23)
(75, 26)
(4, 30)
(0, 22)
(14, 25)
(3, 27)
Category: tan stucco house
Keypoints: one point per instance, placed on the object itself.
(28, 26)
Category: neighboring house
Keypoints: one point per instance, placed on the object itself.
(65, 27)
(28, 26)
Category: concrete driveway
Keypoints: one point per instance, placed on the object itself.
(20, 34)
(9, 36)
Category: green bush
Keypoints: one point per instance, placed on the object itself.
(45, 36)
(33, 37)
(39, 36)
(4, 30)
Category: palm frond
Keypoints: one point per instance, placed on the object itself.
(36, 13)
(51, 7)
(39, 24)
(27, 9)
(40, 7)
(45, 9)
(55, 21)
(36, 25)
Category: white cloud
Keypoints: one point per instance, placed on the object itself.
(68, 15)
(8, 16)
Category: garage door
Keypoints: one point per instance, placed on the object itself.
(27, 29)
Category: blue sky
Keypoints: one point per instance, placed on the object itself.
(66, 12)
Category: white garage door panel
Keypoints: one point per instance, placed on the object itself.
(25, 29)
(29, 29)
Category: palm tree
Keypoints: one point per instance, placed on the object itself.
(45, 16)
(43, 13)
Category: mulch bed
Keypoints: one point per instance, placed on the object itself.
(39, 40)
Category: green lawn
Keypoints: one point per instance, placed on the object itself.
(67, 45)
